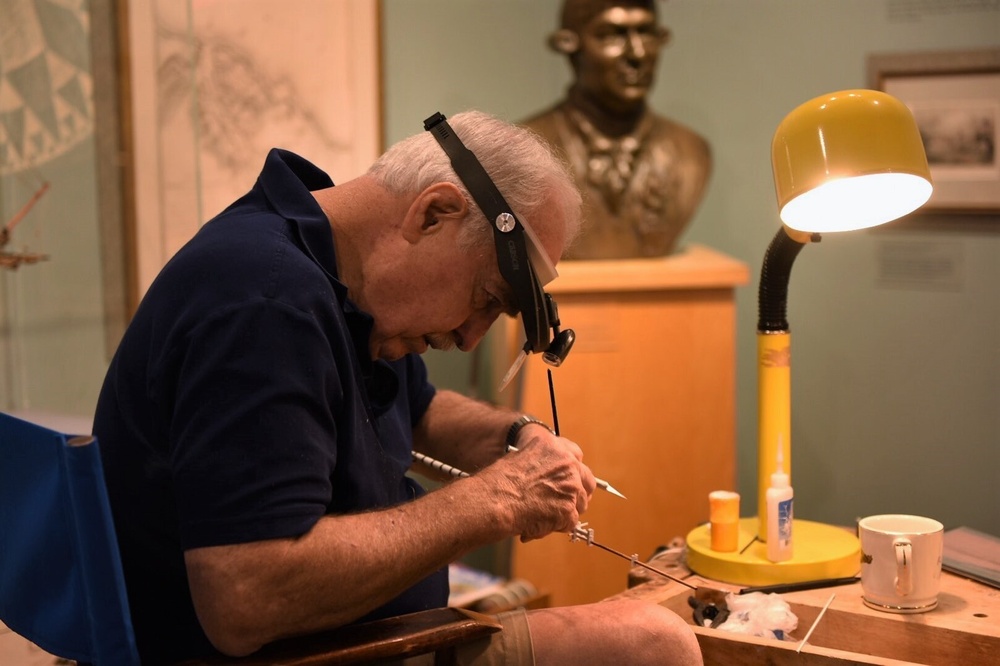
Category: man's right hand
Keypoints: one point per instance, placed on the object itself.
(544, 484)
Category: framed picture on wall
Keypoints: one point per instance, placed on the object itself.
(955, 98)
(216, 84)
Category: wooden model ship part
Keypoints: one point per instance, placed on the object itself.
(14, 259)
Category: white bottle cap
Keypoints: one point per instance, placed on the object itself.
(779, 479)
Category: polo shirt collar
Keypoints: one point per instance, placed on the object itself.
(287, 181)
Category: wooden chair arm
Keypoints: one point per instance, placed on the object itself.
(394, 637)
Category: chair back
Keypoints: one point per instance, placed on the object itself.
(61, 582)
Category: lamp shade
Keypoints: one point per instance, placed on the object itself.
(848, 160)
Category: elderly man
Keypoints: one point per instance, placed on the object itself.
(258, 419)
(642, 175)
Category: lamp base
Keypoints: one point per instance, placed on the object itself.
(819, 551)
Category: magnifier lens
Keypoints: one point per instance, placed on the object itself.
(559, 349)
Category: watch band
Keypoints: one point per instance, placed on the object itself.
(515, 428)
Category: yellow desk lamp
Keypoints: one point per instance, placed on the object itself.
(846, 160)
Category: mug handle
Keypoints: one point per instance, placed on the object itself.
(904, 565)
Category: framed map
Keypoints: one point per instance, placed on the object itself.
(217, 83)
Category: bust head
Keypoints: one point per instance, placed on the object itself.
(613, 46)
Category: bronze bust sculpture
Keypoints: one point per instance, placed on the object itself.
(642, 175)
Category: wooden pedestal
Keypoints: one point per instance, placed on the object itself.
(648, 392)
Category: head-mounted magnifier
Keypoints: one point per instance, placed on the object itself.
(520, 255)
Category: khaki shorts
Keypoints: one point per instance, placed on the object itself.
(509, 647)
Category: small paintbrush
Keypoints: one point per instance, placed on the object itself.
(453, 471)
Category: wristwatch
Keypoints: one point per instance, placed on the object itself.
(522, 421)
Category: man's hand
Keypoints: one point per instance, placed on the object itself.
(544, 484)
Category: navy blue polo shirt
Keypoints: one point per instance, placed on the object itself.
(242, 404)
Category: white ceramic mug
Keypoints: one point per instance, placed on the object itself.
(900, 562)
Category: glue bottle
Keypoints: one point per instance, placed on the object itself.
(779, 513)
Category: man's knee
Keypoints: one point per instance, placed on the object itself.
(657, 633)
(619, 631)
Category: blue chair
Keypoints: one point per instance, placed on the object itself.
(61, 583)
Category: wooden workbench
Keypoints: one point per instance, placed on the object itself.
(963, 629)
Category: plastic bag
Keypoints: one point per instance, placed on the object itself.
(759, 614)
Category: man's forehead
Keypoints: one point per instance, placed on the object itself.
(576, 14)
(623, 16)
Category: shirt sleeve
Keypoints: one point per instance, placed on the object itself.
(253, 430)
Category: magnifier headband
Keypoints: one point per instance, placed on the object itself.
(509, 235)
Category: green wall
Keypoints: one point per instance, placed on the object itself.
(896, 389)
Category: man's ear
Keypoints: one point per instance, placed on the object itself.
(435, 205)
(564, 41)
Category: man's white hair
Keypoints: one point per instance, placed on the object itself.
(521, 164)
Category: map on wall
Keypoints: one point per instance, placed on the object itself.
(218, 83)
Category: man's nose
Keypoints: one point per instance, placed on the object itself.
(635, 46)
(473, 330)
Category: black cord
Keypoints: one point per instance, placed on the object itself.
(552, 399)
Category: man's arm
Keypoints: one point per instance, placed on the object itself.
(251, 594)
(463, 432)
(468, 433)
(246, 595)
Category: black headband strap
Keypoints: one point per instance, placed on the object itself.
(508, 233)
(468, 168)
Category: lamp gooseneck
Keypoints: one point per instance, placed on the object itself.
(772, 295)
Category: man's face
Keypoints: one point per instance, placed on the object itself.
(616, 62)
(443, 296)
(449, 303)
